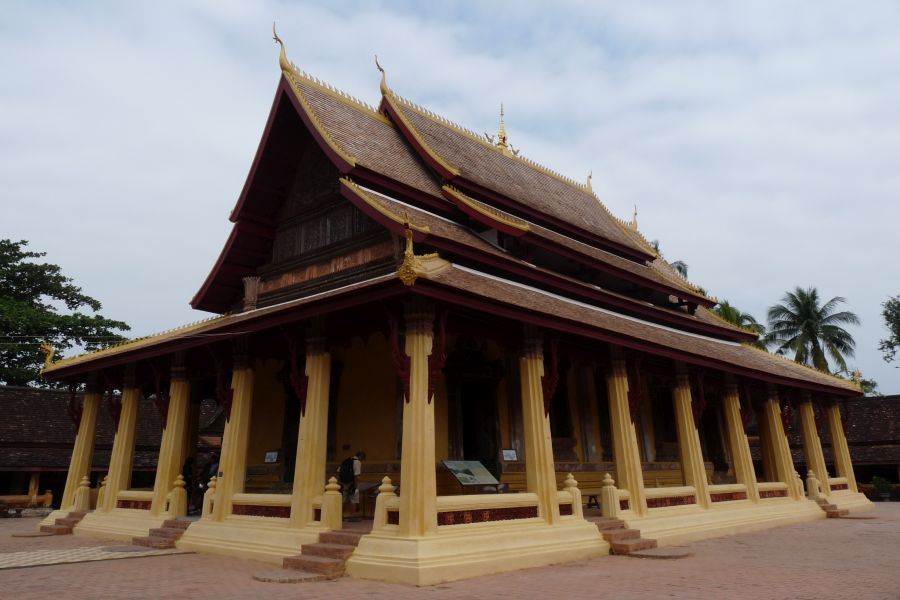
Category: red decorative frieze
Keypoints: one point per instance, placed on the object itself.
(550, 379)
(728, 496)
(485, 515)
(773, 493)
(839, 486)
(257, 510)
(393, 517)
(671, 501)
(438, 357)
(565, 510)
(400, 358)
(135, 504)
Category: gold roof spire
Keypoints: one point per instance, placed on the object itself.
(384, 86)
(588, 185)
(501, 133)
(282, 58)
(633, 223)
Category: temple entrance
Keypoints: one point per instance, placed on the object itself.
(473, 417)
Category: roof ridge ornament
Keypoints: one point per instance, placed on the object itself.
(283, 61)
(587, 186)
(385, 90)
(633, 223)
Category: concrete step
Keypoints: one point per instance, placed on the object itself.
(177, 524)
(828, 506)
(347, 538)
(76, 514)
(606, 523)
(837, 513)
(615, 535)
(152, 541)
(56, 529)
(68, 521)
(340, 551)
(331, 568)
(632, 545)
(167, 532)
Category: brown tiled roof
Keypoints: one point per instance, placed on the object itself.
(532, 186)
(689, 345)
(450, 230)
(369, 137)
(873, 419)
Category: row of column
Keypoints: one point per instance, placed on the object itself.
(418, 514)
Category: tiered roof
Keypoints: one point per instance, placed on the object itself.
(411, 170)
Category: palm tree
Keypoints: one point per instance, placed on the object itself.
(735, 316)
(811, 330)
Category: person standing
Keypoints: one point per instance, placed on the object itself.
(348, 476)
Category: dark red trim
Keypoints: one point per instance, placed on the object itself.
(400, 122)
(497, 309)
(479, 217)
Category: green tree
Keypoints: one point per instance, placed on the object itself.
(735, 316)
(811, 330)
(32, 297)
(891, 314)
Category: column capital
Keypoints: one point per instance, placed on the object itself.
(419, 317)
(532, 342)
(316, 342)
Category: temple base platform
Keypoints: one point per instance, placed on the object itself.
(121, 524)
(256, 538)
(855, 502)
(472, 550)
(681, 524)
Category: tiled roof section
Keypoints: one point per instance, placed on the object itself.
(368, 136)
(873, 419)
(529, 298)
(444, 228)
(532, 186)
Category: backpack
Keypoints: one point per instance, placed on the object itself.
(345, 471)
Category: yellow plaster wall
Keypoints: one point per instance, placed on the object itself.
(367, 400)
(267, 412)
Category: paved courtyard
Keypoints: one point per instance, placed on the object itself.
(857, 559)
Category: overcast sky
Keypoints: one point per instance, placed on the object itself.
(760, 141)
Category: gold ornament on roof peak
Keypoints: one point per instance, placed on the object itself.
(588, 186)
(49, 351)
(501, 140)
(282, 58)
(384, 86)
(633, 223)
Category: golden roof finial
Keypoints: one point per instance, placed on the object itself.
(588, 186)
(282, 59)
(633, 223)
(384, 86)
(501, 133)
(857, 376)
(49, 351)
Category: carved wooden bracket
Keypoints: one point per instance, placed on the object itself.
(113, 403)
(550, 378)
(75, 407)
(698, 400)
(399, 357)
(787, 414)
(299, 379)
(438, 357)
(635, 386)
(746, 400)
(161, 397)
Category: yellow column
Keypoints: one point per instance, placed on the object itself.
(122, 457)
(812, 445)
(540, 470)
(625, 448)
(83, 451)
(689, 438)
(781, 453)
(839, 448)
(418, 486)
(312, 440)
(738, 442)
(171, 447)
(233, 460)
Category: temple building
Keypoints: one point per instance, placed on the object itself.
(399, 284)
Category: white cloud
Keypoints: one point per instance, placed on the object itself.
(759, 140)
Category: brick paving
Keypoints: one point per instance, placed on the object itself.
(835, 559)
